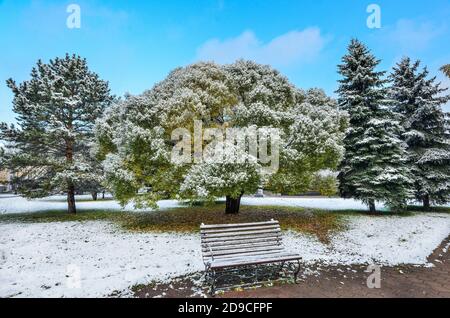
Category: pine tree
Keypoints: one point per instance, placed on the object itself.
(135, 136)
(418, 100)
(373, 168)
(56, 111)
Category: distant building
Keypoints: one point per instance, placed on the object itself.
(5, 181)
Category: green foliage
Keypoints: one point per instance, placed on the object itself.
(135, 135)
(417, 101)
(325, 185)
(50, 148)
(374, 166)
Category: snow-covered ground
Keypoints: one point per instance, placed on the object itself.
(46, 260)
(10, 204)
(335, 204)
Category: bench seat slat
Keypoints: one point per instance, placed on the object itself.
(249, 254)
(237, 243)
(212, 226)
(246, 233)
(272, 258)
(240, 238)
(242, 229)
(235, 252)
(240, 246)
(251, 257)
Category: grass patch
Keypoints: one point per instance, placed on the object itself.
(436, 209)
(83, 199)
(63, 216)
(188, 219)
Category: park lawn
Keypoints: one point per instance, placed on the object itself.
(320, 223)
(188, 219)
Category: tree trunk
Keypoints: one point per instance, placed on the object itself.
(232, 205)
(103, 195)
(426, 202)
(71, 208)
(71, 199)
(372, 208)
(94, 196)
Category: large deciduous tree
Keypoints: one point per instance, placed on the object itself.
(418, 100)
(374, 167)
(56, 110)
(136, 135)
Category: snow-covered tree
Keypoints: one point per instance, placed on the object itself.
(418, 101)
(136, 136)
(56, 111)
(374, 167)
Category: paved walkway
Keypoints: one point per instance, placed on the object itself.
(349, 282)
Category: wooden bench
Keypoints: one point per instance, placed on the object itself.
(227, 246)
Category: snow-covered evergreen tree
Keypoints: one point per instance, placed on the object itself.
(374, 167)
(418, 100)
(56, 111)
(136, 142)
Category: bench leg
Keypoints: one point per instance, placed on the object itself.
(210, 278)
(296, 272)
(212, 290)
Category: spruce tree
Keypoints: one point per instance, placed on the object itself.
(56, 111)
(373, 168)
(418, 100)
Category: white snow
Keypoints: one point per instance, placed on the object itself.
(334, 204)
(10, 204)
(35, 258)
(377, 240)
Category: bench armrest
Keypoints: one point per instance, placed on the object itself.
(210, 250)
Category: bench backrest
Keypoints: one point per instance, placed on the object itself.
(233, 240)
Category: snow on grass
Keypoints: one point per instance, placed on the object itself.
(385, 240)
(35, 257)
(16, 204)
(334, 204)
(10, 204)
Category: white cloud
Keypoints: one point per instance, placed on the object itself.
(411, 35)
(287, 49)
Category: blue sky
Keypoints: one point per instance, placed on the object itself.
(134, 44)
